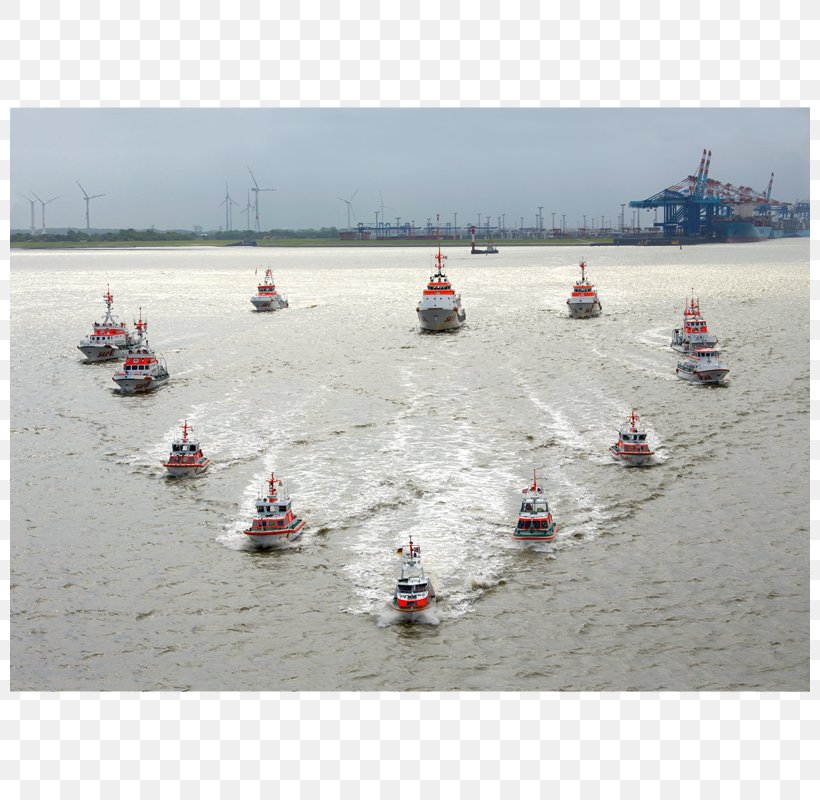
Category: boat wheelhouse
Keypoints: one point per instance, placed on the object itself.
(583, 301)
(266, 297)
(631, 448)
(109, 340)
(186, 457)
(142, 370)
(702, 366)
(535, 522)
(275, 523)
(414, 590)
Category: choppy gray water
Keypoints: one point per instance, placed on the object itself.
(690, 575)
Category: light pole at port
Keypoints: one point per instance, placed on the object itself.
(553, 220)
(455, 224)
(563, 223)
(622, 216)
(540, 221)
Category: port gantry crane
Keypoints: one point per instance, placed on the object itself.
(688, 206)
(691, 206)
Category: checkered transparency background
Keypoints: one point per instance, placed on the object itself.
(90, 53)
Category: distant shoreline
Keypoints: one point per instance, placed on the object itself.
(289, 243)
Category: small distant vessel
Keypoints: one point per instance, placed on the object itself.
(266, 297)
(275, 522)
(142, 370)
(695, 331)
(631, 448)
(414, 590)
(109, 340)
(702, 366)
(489, 249)
(583, 302)
(186, 456)
(440, 307)
(535, 522)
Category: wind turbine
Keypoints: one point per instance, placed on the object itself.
(255, 189)
(348, 206)
(87, 200)
(43, 204)
(247, 212)
(32, 210)
(228, 202)
(382, 207)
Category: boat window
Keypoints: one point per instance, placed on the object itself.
(524, 524)
(541, 506)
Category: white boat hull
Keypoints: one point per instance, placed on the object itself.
(185, 470)
(703, 376)
(268, 304)
(546, 538)
(275, 538)
(96, 353)
(630, 459)
(686, 345)
(139, 385)
(580, 309)
(441, 319)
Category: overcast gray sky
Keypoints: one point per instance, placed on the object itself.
(168, 167)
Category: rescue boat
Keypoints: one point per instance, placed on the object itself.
(489, 249)
(535, 522)
(142, 370)
(266, 297)
(702, 366)
(583, 302)
(109, 340)
(631, 448)
(414, 590)
(695, 332)
(440, 307)
(275, 523)
(186, 457)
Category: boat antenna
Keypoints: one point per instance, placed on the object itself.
(439, 256)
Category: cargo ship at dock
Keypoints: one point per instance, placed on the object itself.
(734, 231)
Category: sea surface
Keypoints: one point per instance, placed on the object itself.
(689, 575)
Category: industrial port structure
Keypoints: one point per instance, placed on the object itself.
(697, 209)
(701, 208)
